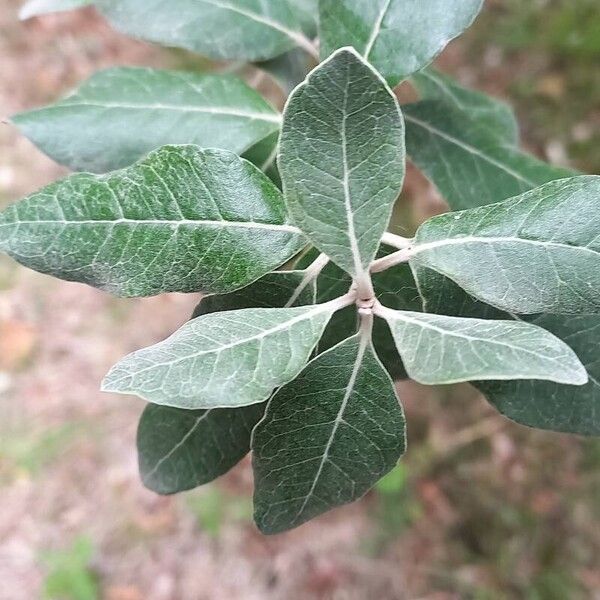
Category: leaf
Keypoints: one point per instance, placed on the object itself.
(341, 159)
(441, 350)
(485, 111)
(182, 220)
(307, 12)
(540, 404)
(179, 450)
(35, 8)
(289, 69)
(469, 165)
(326, 438)
(552, 406)
(538, 252)
(275, 290)
(119, 115)
(264, 155)
(249, 30)
(223, 359)
(399, 37)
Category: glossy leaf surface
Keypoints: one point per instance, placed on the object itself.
(326, 438)
(179, 450)
(183, 220)
(399, 37)
(223, 359)
(341, 159)
(538, 252)
(119, 115)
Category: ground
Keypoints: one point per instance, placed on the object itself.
(479, 508)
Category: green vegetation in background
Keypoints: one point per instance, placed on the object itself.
(69, 576)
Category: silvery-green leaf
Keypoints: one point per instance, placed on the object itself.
(326, 438)
(179, 450)
(307, 12)
(249, 30)
(35, 8)
(490, 113)
(119, 115)
(469, 165)
(341, 159)
(264, 155)
(399, 37)
(545, 405)
(538, 252)
(223, 359)
(441, 350)
(275, 290)
(540, 404)
(183, 219)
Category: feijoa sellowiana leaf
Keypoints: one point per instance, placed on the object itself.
(341, 159)
(545, 405)
(179, 450)
(280, 289)
(538, 252)
(119, 115)
(222, 29)
(183, 219)
(441, 350)
(224, 359)
(540, 404)
(485, 111)
(326, 438)
(36, 8)
(399, 37)
(466, 160)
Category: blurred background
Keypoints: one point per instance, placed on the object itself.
(479, 508)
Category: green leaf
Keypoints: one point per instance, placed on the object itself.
(179, 450)
(183, 219)
(538, 252)
(326, 438)
(399, 37)
(264, 155)
(441, 350)
(540, 404)
(36, 8)
(487, 112)
(289, 69)
(224, 359)
(341, 159)
(552, 406)
(119, 115)
(275, 290)
(469, 164)
(249, 30)
(307, 11)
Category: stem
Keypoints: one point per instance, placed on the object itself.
(396, 241)
(366, 323)
(310, 274)
(387, 262)
(306, 45)
(342, 301)
(365, 294)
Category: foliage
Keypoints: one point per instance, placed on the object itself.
(307, 311)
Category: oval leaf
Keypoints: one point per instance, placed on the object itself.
(441, 350)
(345, 403)
(341, 159)
(119, 115)
(466, 159)
(179, 450)
(222, 29)
(223, 359)
(182, 220)
(399, 37)
(539, 252)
